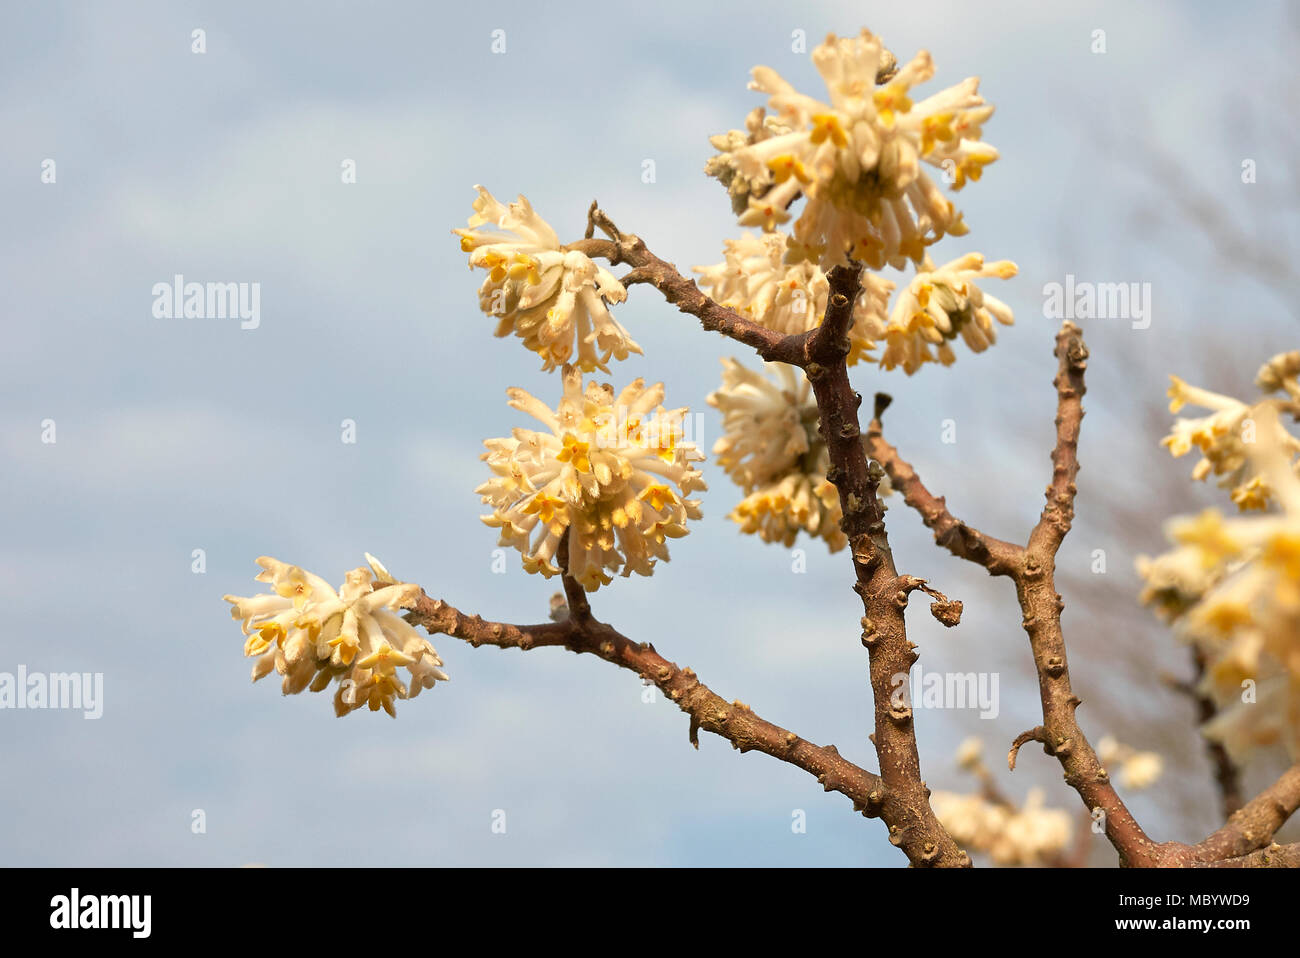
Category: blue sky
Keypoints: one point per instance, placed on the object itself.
(175, 435)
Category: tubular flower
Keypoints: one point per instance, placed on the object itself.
(554, 299)
(311, 635)
(1246, 618)
(1226, 435)
(940, 304)
(758, 127)
(1280, 373)
(755, 279)
(770, 447)
(601, 474)
(857, 158)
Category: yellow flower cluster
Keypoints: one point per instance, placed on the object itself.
(1028, 835)
(790, 297)
(554, 299)
(601, 476)
(988, 822)
(939, 305)
(1225, 435)
(1232, 587)
(313, 635)
(857, 156)
(770, 447)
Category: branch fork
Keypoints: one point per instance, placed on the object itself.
(858, 462)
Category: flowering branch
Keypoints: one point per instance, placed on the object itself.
(883, 592)
(683, 293)
(1032, 569)
(606, 482)
(822, 354)
(734, 721)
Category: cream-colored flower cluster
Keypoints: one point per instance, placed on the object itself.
(857, 160)
(1029, 835)
(600, 475)
(1137, 769)
(857, 156)
(770, 447)
(987, 822)
(790, 297)
(1225, 435)
(554, 299)
(1232, 587)
(313, 635)
(939, 305)
(601, 480)
(723, 166)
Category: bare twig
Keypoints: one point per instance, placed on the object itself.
(1032, 569)
(734, 721)
(1041, 606)
(1072, 359)
(1035, 734)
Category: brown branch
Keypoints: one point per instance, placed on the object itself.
(1041, 606)
(1035, 734)
(884, 593)
(685, 295)
(1032, 569)
(575, 595)
(1274, 856)
(1033, 572)
(1226, 774)
(1250, 827)
(1072, 358)
(957, 537)
(821, 353)
(734, 721)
